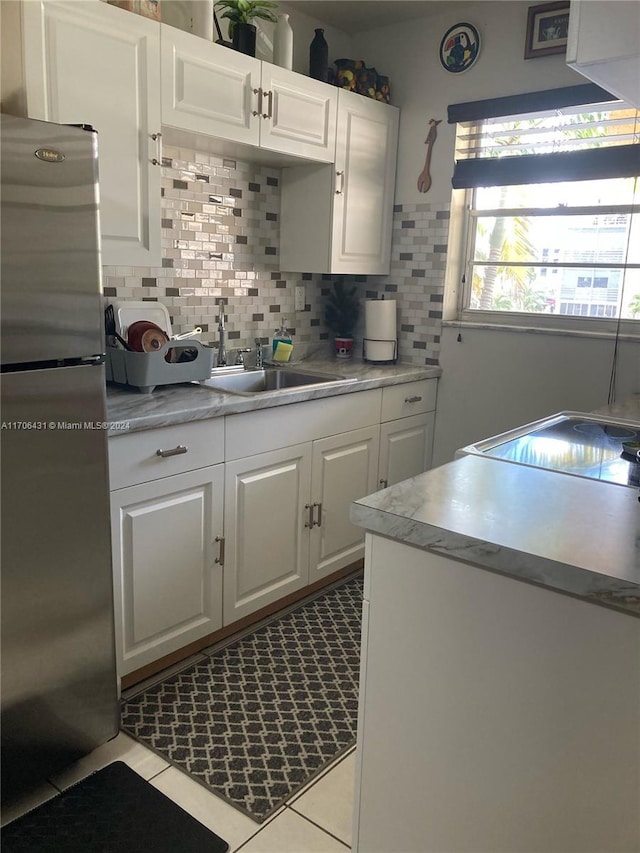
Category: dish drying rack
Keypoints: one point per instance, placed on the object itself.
(146, 370)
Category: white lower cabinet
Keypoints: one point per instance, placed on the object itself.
(343, 470)
(406, 432)
(204, 534)
(267, 544)
(167, 578)
(405, 448)
(287, 517)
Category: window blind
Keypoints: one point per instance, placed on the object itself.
(575, 142)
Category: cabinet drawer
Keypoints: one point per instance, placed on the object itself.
(270, 429)
(410, 398)
(136, 458)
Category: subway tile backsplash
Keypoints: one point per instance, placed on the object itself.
(220, 243)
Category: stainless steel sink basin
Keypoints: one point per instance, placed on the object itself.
(249, 382)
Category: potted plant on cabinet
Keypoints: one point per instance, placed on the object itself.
(240, 13)
(341, 314)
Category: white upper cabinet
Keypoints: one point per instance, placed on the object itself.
(213, 90)
(90, 63)
(207, 88)
(604, 45)
(365, 184)
(339, 219)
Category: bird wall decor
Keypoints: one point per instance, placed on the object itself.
(424, 178)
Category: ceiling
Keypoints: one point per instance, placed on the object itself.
(354, 16)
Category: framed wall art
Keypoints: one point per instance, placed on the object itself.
(547, 29)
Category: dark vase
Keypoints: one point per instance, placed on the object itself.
(244, 38)
(319, 57)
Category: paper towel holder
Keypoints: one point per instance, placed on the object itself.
(392, 360)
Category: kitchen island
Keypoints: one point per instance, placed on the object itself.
(500, 687)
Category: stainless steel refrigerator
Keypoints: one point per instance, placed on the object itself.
(59, 687)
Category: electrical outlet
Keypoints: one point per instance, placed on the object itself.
(300, 297)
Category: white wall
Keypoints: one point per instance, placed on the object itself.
(408, 54)
(493, 380)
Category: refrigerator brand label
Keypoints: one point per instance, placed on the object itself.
(49, 155)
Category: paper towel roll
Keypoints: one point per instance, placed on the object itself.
(380, 329)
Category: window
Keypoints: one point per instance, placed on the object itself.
(553, 213)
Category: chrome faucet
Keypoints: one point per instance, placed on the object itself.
(240, 355)
(222, 334)
(258, 353)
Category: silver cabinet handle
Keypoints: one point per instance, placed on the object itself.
(220, 558)
(257, 112)
(384, 483)
(175, 451)
(318, 523)
(309, 522)
(157, 138)
(412, 399)
(341, 176)
(269, 113)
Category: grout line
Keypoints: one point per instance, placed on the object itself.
(322, 828)
(313, 781)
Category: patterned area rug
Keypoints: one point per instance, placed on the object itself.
(266, 713)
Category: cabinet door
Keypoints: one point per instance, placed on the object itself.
(168, 585)
(405, 448)
(300, 114)
(364, 185)
(267, 543)
(602, 45)
(207, 88)
(344, 469)
(90, 63)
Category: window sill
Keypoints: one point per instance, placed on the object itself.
(600, 334)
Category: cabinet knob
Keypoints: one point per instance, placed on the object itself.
(341, 176)
(318, 523)
(175, 451)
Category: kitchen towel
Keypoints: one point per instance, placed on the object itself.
(380, 330)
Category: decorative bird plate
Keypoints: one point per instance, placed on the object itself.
(459, 48)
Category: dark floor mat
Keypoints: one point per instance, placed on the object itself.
(262, 716)
(112, 811)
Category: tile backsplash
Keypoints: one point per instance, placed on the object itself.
(220, 244)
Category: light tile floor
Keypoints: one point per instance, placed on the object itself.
(315, 820)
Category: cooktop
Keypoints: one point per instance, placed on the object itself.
(572, 443)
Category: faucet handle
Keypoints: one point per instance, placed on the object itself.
(240, 354)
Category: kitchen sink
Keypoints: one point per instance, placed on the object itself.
(249, 382)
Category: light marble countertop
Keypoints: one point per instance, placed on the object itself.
(130, 411)
(559, 531)
(628, 409)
